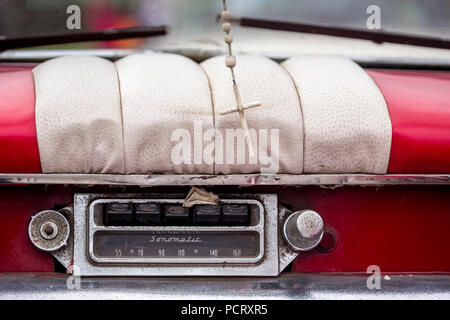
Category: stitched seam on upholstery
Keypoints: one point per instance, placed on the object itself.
(303, 118)
(121, 119)
(213, 119)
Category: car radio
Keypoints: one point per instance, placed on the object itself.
(154, 234)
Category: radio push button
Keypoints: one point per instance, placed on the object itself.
(206, 214)
(117, 214)
(176, 215)
(235, 215)
(147, 213)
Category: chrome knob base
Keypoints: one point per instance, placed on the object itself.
(303, 230)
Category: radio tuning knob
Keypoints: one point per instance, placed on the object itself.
(49, 230)
(303, 230)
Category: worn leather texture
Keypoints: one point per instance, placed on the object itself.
(347, 128)
(259, 79)
(78, 116)
(162, 97)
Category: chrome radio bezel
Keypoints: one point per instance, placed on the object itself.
(274, 254)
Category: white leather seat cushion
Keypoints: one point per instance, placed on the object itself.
(259, 79)
(346, 120)
(160, 94)
(78, 117)
(95, 116)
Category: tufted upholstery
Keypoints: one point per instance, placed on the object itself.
(161, 93)
(263, 80)
(93, 115)
(78, 117)
(347, 125)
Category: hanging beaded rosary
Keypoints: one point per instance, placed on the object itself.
(230, 62)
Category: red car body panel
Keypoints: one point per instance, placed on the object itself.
(19, 151)
(419, 108)
(402, 229)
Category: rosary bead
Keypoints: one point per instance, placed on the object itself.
(228, 38)
(226, 26)
(230, 61)
(226, 15)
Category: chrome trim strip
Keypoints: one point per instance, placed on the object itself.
(287, 286)
(235, 179)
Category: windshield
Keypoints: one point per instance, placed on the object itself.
(193, 25)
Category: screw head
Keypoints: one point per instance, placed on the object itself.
(49, 230)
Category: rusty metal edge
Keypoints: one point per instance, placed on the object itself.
(235, 179)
